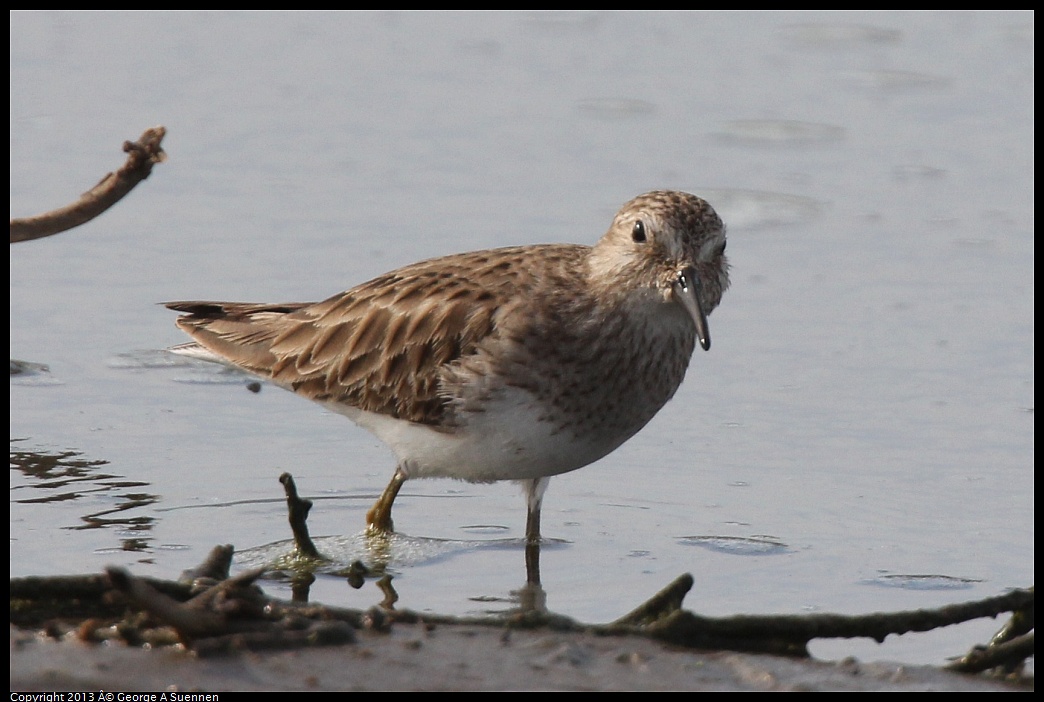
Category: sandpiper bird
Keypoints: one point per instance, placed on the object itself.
(516, 363)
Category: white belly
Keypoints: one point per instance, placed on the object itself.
(510, 440)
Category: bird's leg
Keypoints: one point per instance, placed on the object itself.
(534, 497)
(533, 563)
(378, 519)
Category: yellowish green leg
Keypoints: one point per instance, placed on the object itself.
(378, 519)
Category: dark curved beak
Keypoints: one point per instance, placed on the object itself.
(687, 293)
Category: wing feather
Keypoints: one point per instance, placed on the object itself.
(383, 346)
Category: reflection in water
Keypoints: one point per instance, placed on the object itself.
(65, 475)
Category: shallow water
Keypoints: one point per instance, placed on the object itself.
(859, 438)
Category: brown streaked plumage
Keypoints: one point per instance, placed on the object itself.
(516, 363)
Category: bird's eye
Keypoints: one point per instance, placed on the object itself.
(721, 249)
(638, 233)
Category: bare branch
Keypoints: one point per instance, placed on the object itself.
(298, 509)
(143, 154)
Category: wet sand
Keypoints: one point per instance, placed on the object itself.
(458, 657)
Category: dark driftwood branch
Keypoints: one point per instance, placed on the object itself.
(232, 615)
(1008, 649)
(236, 615)
(789, 634)
(142, 156)
(298, 509)
(661, 617)
(1008, 655)
(215, 568)
(80, 589)
(662, 604)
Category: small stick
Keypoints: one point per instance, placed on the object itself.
(143, 155)
(298, 509)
